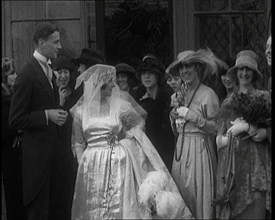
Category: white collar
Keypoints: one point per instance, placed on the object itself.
(41, 57)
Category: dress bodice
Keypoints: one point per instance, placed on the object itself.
(205, 105)
(101, 131)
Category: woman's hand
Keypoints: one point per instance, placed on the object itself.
(79, 158)
(174, 114)
(222, 141)
(62, 96)
(259, 134)
(182, 111)
(238, 126)
(78, 152)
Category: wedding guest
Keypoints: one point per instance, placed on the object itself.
(214, 80)
(35, 110)
(126, 77)
(244, 181)
(229, 82)
(174, 80)
(117, 178)
(194, 162)
(65, 163)
(269, 60)
(269, 86)
(154, 95)
(10, 148)
(87, 58)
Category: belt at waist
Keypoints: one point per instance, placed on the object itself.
(197, 133)
(99, 142)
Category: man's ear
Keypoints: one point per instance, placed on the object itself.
(41, 42)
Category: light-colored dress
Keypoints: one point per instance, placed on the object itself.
(194, 174)
(111, 171)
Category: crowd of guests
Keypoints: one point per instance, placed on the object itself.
(46, 164)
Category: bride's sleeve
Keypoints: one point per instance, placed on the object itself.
(132, 116)
(78, 140)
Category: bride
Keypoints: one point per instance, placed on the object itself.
(120, 174)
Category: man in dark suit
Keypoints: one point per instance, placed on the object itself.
(35, 110)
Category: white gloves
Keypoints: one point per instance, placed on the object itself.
(238, 126)
(222, 141)
(182, 111)
(78, 152)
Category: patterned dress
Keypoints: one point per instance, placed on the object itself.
(250, 172)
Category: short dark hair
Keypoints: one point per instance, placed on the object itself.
(43, 31)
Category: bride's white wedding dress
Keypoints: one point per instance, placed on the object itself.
(111, 170)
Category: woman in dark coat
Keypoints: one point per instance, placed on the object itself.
(11, 149)
(154, 95)
(66, 164)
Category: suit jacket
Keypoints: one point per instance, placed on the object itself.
(32, 95)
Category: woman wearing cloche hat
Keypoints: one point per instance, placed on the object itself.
(193, 121)
(88, 58)
(126, 77)
(66, 165)
(154, 96)
(246, 116)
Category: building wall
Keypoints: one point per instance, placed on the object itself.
(21, 17)
(112, 5)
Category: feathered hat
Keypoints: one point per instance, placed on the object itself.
(173, 67)
(206, 57)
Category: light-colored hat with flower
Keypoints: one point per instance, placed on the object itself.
(247, 58)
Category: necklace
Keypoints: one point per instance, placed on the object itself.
(177, 158)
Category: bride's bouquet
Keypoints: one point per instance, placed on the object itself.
(156, 197)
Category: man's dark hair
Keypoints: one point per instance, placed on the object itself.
(43, 31)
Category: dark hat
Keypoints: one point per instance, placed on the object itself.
(124, 68)
(90, 57)
(63, 63)
(127, 69)
(151, 63)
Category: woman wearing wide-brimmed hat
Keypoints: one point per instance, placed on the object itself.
(154, 96)
(193, 120)
(88, 57)
(174, 80)
(244, 175)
